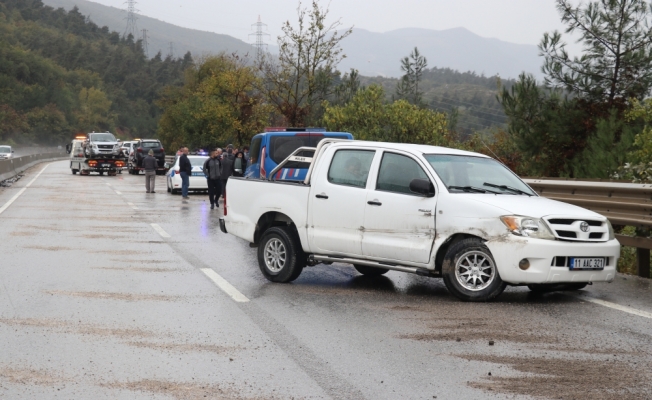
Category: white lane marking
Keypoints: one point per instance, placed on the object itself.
(108, 184)
(615, 306)
(225, 286)
(36, 177)
(7, 204)
(118, 193)
(160, 230)
(131, 204)
(21, 191)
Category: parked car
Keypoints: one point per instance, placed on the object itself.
(427, 210)
(268, 149)
(6, 152)
(101, 145)
(139, 152)
(197, 180)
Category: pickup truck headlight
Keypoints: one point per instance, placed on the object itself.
(528, 227)
(612, 233)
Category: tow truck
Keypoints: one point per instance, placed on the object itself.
(96, 152)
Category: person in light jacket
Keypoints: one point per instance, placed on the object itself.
(212, 170)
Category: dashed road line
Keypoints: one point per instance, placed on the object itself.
(614, 306)
(132, 205)
(225, 286)
(118, 193)
(160, 230)
(21, 191)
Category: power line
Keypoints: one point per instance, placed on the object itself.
(145, 43)
(259, 44)
(171, 50)
(132, 26)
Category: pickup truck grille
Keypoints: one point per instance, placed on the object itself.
(105, 147)
(579, 230)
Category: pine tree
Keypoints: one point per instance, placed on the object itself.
(408, 87)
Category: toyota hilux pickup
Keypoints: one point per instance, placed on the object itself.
(431, 211)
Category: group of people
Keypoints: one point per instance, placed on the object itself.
(217, 168)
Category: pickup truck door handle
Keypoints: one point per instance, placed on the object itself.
(322, 196)
(374, 203)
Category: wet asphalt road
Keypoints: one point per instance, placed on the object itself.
(96, 304)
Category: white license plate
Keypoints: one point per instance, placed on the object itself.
(106, 165)
(587, 263)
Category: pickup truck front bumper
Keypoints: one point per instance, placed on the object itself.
(541, 254)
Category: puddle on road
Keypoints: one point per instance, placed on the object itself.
(181, 390)
(568, 379)
(115, 296)
(49, 248)
(31, 376)
(145, 269)
(184, 347)
(23, 233)
(81, 329)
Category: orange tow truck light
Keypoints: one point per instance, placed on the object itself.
(119, 164)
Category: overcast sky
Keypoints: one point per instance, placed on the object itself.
(516, 21)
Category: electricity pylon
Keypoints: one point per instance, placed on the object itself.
(145, 43)
(259, 44)
(132, 26)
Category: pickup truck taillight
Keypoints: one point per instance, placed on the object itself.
(263, 173)
(140, 150)
(225, 203)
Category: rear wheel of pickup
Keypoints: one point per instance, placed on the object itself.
(370, 271)
(280, 256)
(470, 272)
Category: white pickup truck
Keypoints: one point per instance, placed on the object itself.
(427, 210)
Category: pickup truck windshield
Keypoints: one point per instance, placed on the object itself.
(102, 137)
(468, 174)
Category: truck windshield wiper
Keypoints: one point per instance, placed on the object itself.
(509, 188)
(472, 189)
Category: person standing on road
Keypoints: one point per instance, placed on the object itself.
(227, 166)
(212, 170)
(150, 164)
(239, 164)
(185, 170)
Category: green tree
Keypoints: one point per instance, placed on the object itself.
(616, 62)
(217, 105)
(408, 87)
(301, 76)
(94, 112)
(370, 117)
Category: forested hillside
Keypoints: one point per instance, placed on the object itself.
(61, 74)
(469, 98)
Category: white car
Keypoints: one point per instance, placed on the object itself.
(197, 180)
(6, 152)
(127, 147)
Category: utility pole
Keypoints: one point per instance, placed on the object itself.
(171, 50)
(132, 27)
(145, 43)
(259, 44)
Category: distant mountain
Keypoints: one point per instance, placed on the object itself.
(160, 33)
(379, 54)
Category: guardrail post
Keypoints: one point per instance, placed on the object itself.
(643, 256)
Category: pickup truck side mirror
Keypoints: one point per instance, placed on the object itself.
(423, 187)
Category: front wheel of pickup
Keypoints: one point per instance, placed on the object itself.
(470, 271)
(280, 256)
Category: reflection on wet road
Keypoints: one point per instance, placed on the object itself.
(107, 292)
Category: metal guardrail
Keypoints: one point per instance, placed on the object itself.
(624, 204)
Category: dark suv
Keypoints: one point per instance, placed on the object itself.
(140, 150)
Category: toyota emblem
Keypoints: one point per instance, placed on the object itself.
(584, 226)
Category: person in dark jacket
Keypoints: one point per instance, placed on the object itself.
(149, 165)
(227, 166)
(212, 170)
(185, 170)
(239, 164)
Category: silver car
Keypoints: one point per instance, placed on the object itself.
(6, 152)
(101, 144)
